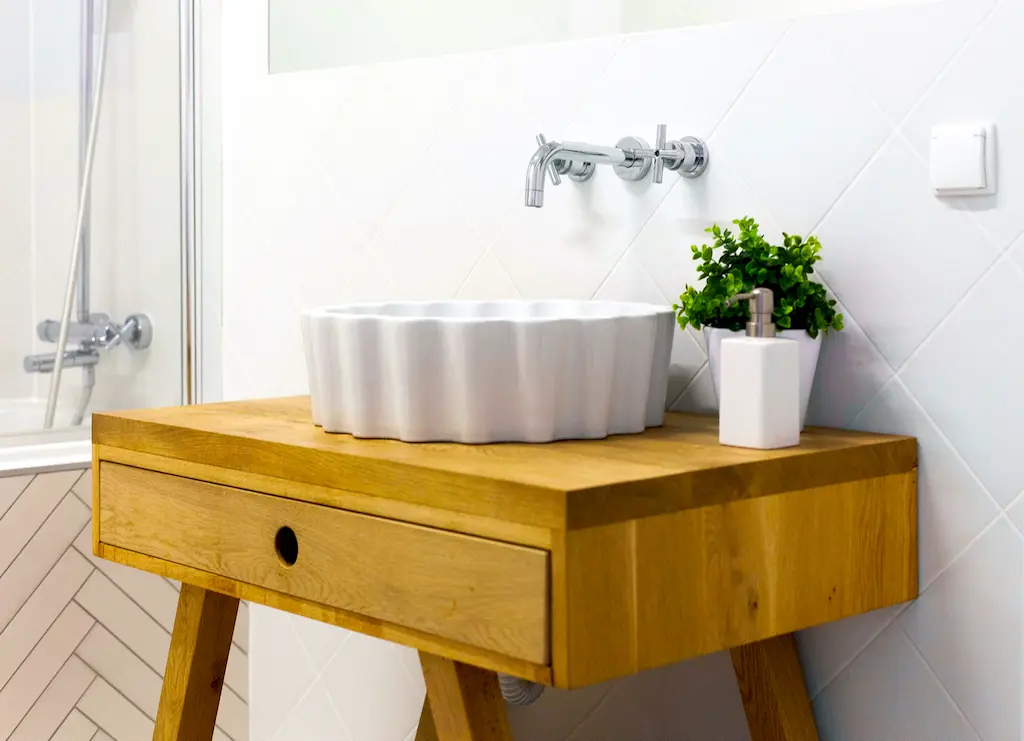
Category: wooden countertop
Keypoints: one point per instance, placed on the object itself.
(562, 485)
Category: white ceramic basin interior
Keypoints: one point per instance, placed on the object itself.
(488, 371)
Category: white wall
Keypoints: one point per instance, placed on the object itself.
(135, 207)
(818, 125)
(15, 195)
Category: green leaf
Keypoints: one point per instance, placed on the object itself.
(743, 259)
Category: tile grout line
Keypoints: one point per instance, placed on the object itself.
(21, 491)
(48, 685)
(35, 532)
(317, 676)
(633, 239)
(128, 648)
(85, 715)
(938, 681)
(951, 313)
(942, 436)
(956, 452)
(906, 606)
(707, 364)
(132, 651)
(48, 627)
(108, 682)
(97, 671)
(897, 130)
(849, 662)
(591, 712)
(44, 577)
(146, 612)
(750, 81)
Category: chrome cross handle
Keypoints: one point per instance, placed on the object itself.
(688, 156)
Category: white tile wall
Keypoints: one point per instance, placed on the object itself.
(820, 124)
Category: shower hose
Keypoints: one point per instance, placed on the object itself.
(85, 185)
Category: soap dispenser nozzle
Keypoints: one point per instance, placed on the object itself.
(762, 304)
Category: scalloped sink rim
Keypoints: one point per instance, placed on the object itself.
(488, 371)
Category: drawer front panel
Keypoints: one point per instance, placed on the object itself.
(484, 593)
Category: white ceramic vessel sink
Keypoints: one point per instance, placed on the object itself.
(479, 372)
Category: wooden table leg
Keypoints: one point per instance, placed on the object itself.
(426, 731)
(194, 675)
(465, 702)
(771, 683)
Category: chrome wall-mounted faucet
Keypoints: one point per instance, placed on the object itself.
(631, 158)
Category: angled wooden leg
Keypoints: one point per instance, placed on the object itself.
(465, 701)
(771, 683)
(195, 665)
(426, 730)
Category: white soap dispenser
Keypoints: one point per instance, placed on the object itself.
(760, 383)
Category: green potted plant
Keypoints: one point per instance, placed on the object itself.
(738, 263)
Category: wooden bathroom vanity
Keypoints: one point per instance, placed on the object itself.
(567, 563)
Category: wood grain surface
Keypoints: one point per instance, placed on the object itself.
(417, 639)
(484, 593)
(771, 684)
(571, 484)
(662, 589)
(465, 701)
(198, 658)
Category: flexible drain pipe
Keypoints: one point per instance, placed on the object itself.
(518, 691)
(85, 186)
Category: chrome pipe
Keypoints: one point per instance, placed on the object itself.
(48, 330)
(72, 359)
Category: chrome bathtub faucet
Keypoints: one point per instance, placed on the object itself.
(99, 333)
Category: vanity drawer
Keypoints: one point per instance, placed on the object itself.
(480, 592)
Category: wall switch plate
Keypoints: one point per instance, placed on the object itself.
(963, 160)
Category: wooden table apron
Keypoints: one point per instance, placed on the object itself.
(568, 564)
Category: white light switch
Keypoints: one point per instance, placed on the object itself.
(963, 161)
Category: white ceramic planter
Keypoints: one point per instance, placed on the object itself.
(479, 372)
(810, 348)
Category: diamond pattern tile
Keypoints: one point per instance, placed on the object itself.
(372, 690)
(313, 717)
(802, 120)
(974, 652)
(719, 197)
(967, 377)
(628, 281)
(890, 693)
(828, 649)
(646, 83)
(850, 372)
(275, 693)
(801, 131)
(894, 79)
(694, 699)
(909, 232)
(974, 88)
(953, 506)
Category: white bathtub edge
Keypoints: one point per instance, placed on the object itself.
(44, 457)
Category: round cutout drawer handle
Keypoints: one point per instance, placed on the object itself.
(287, 546)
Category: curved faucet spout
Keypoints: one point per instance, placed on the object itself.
(536, 170)
(573, 151)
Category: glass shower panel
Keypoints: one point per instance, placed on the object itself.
(51, 54)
